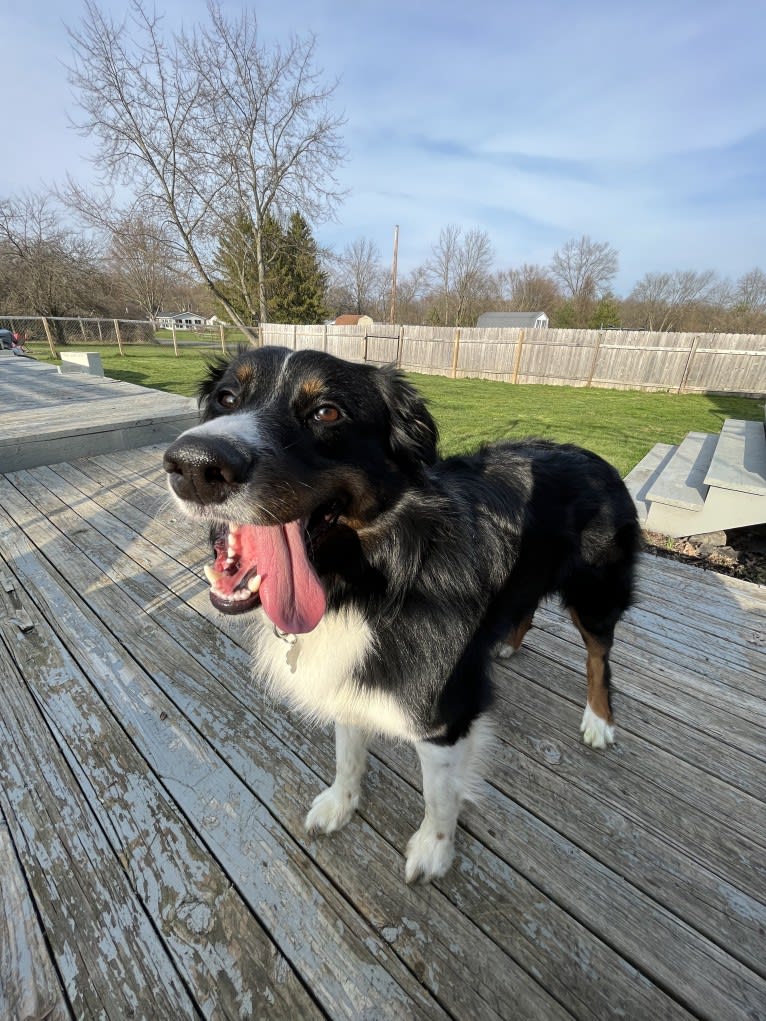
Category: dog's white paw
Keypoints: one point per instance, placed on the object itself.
(331, 810)
(596, 732)
(504, 651)
(429, 854)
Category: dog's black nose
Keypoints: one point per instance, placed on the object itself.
(205, 469)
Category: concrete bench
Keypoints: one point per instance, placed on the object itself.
(81, 361)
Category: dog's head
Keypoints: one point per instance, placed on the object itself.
(297, 456)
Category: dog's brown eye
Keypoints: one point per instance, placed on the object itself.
(327, 413)
(227, 399)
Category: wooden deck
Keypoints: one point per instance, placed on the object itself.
(153, 862)
(45, 417)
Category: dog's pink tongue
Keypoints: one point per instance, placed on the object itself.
(290, 592)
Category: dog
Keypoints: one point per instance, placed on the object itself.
(381, 578)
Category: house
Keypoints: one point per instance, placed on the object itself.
(515, 320)
(349, 320)
(181, 320)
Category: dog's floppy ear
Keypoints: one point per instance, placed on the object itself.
(413, 434)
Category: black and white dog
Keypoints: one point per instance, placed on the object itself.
(382, 578)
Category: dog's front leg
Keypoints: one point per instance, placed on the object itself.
(431, 848)
(333, 808)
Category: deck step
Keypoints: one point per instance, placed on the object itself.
(640, 480)
(682, 483)
(739, 462)
(724, 509)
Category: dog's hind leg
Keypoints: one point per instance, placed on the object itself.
(333, 808)
(451, 772)
(512, 641)
(597, 726)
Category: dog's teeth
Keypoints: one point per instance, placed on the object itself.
(254, 583)
(212, 575)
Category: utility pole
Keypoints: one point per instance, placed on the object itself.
(393, 274)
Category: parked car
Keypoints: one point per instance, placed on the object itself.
(6, 340)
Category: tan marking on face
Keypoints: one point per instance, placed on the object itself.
(312, 388)
(244, 373)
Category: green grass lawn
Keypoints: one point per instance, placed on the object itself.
(146, 364)
(621, 425)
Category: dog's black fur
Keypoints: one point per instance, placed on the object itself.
(442, 558)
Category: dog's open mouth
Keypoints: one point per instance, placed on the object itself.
(271, 565)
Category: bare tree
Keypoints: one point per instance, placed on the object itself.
(441, 266)
(529, 288)
(359, 279)
(473, 263)
(410, 292)
(47, 267)
(660, 300)
(459, 269)
(750, 291)
(145, 263)
(204, 123)
(585, 269)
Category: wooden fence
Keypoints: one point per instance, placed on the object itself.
(617, 359)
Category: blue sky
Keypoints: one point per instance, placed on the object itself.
(640, 124)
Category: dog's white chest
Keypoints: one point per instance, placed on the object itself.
(315, 674)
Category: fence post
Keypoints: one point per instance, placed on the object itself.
(49, 335)
(295, 336)
(687, 367)
(82, 331)
(223, 338)
(399, 347)
(100, 334)
(324, 339)
(175, 342)
(455, 352)
(594, 359)
(517, 357)
(119, 337)
(364, 356)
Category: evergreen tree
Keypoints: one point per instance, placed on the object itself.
(605, 314)
(236, 262)
(295, 281)
(297, 284)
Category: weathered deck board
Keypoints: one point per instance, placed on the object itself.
(205, 923)
(107, 952)
(46, 418)
(29, 986)
(586, 885)
(253, 848)
(676, 849)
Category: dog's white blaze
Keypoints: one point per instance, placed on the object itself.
(316, 675)
(240, 426)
